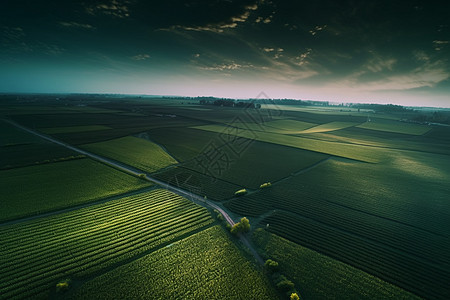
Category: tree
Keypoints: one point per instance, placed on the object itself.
(242, 226)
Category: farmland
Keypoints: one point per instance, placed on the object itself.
(340, 215)
(255, 165)
(55, 130)
(205, 265)
(133, 151)
(395, 126)
(356, 152)
(321, 277)
(36, 255)
(47, 187)
(355, 203)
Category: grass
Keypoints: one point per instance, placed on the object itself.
(206, 265)
(318, 276)
(70, 129)
(356, 152)
(37, 255)
(37, 189)
(395, 126)
(136, 152)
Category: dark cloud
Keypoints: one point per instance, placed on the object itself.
(385, 45)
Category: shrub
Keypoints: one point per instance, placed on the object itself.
(62, 286)
(271, 265)
(294, 296)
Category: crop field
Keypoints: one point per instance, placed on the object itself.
(356, 152)
(38, 254)
(334, 204)
(276, 126)
(47, 187)
(200, 184)
(206, 265)
(395, 126)
(290, 126)
(332, 126)
(136, 152)
(258, 163)
(322, 277)
(19, 148)
(184, 143)
(355, 208)
(70, 129)
(34, 154)
(11, 136)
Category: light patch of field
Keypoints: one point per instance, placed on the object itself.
(37, 189)
(198, 108)
(397, 127)
(290, 125)
(356, 152)
(206, 265)
(277, 126)
(332, 126)
(316, 109)
(322, 277)
(70, 129)
(423, 165)
(136, 152)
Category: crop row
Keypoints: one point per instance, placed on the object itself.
(348, 210)
(136, 152)
(205, 265)
(394, 266)
(92, 239)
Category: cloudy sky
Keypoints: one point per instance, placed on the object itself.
(385, 51)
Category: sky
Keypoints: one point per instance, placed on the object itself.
(385, 51)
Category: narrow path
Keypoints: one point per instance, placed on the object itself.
(133, 171)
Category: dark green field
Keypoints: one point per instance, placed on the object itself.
(354, 209)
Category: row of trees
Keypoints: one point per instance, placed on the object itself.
(229, 103)
(282, 283)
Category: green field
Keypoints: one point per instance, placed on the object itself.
(54, 130)
(356, 208)
(11, 136)
(36, 255)
(206, 265)
(356, 152)
(198, 183)
(332, 126)
(42, 188)
(321, 277)
(276, 126)
(136, 152)
(395, 126)
(183, 143)
(256, 164)
(334, 209)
